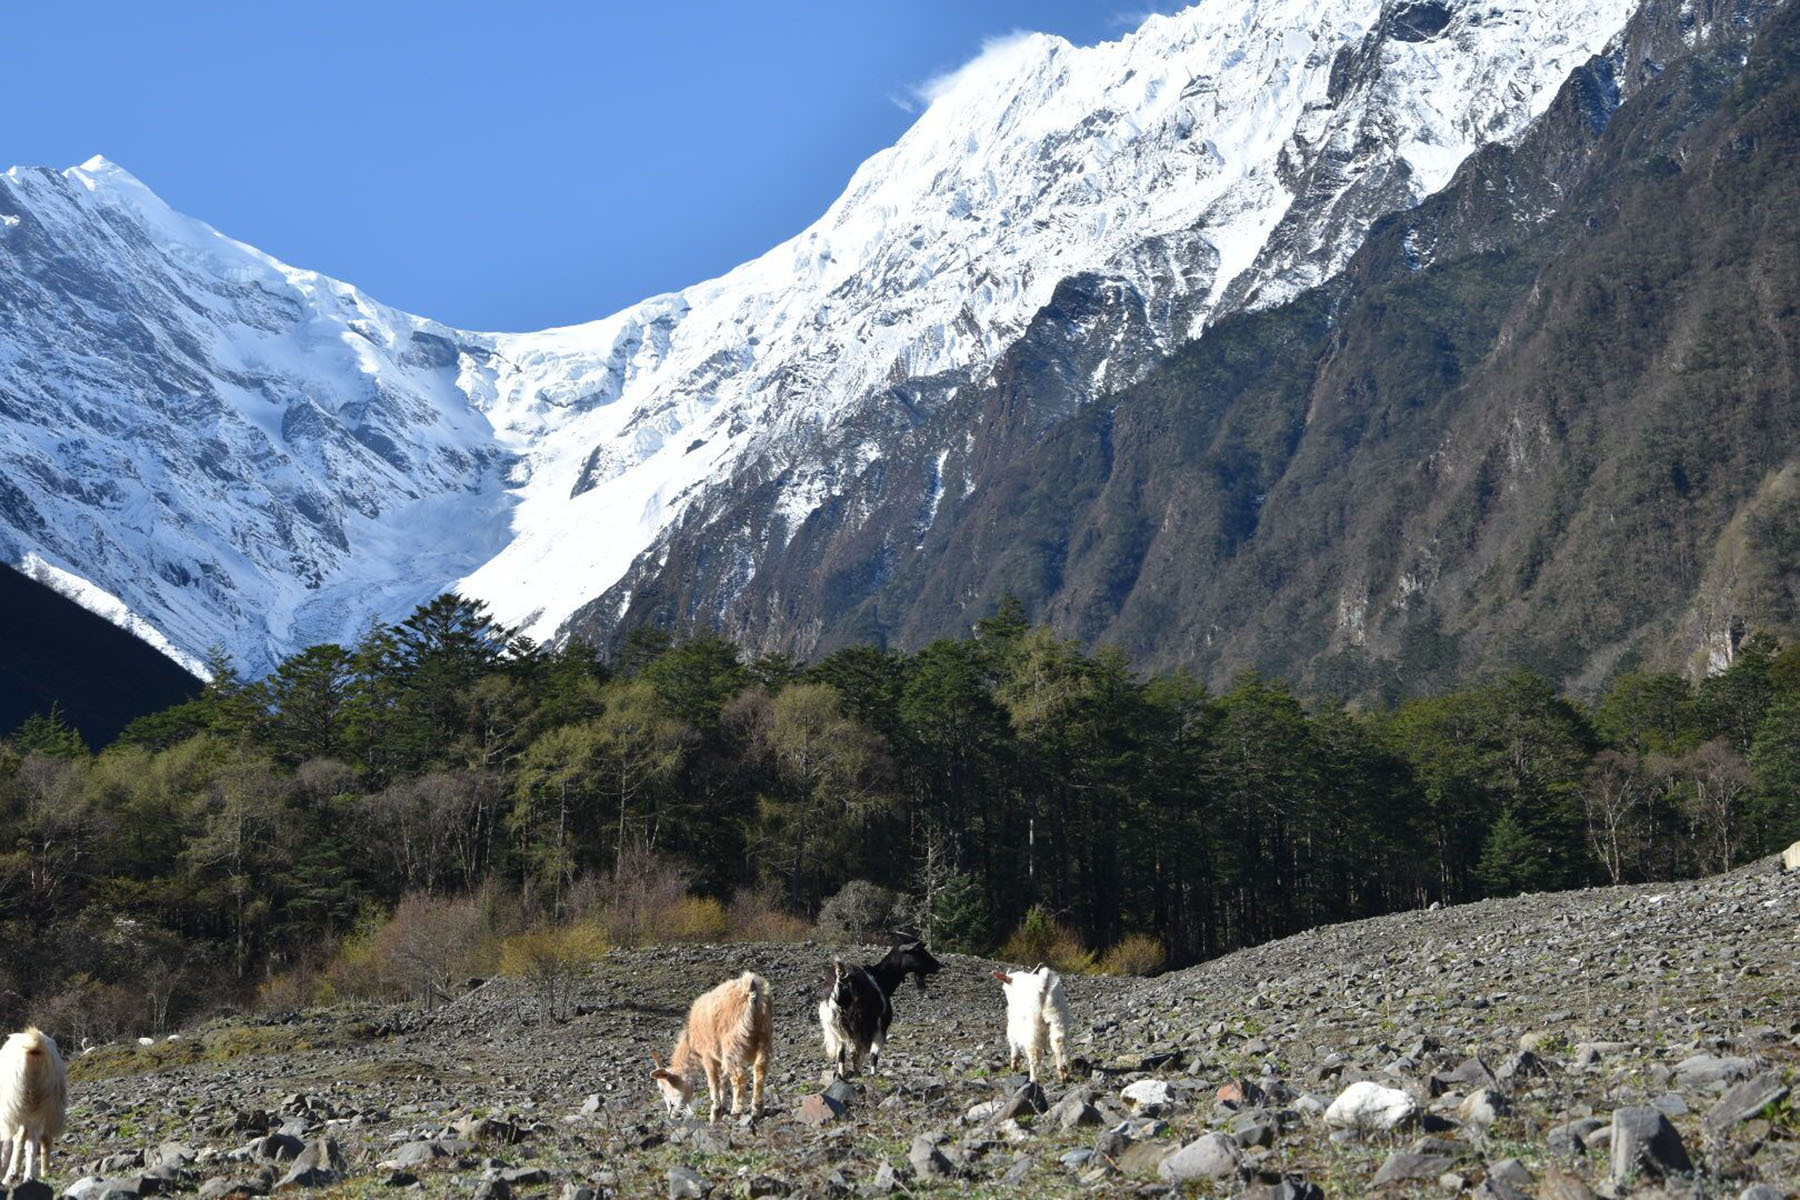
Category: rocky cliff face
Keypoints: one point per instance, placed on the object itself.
(1532, 421)
(244, 452)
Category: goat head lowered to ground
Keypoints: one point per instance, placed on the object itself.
(730, 1030)
(856, 1004)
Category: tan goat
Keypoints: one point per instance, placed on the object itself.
(730, 1030)
(34, 1088)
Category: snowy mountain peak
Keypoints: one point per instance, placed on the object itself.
(265, 455)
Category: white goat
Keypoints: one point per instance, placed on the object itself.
(1036, 1015)
(34, 1088)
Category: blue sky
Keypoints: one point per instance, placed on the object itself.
(498, 165)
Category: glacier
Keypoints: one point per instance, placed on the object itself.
(241, 454)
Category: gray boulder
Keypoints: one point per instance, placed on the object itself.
(1645, 1144)
(1745, 1100)
(1212, 1156)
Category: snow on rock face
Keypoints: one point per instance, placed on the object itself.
(241, 451)
(233, 450)
(1167, 160)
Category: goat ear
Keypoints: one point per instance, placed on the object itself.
(659, 1073)
(1002, 976)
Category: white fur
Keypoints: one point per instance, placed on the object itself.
(836, 1030)
(1790, 858)
(34, 1089)
(1037, 1015)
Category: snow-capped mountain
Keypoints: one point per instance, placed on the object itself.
(238, 451)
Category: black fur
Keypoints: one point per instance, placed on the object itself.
(863, 997)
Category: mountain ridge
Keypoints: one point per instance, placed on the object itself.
(351, 458)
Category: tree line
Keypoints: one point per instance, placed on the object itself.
(985, 777)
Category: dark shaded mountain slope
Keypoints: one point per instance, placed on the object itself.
(1546, 418)
(53, 651)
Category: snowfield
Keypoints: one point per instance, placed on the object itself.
(230, 449)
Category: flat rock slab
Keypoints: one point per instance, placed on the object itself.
(1404, 1165)
(1213, 1156)
(1746, 1100)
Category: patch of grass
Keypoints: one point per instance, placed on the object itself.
(217, 1043)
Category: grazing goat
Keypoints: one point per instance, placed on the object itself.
(34, 1087)
(1036, 1014)
(857, 1004)
(730, 1029)
(1790, 858)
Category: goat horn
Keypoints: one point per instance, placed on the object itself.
(656, 1060)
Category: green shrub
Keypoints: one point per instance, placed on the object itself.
(1041, 938)
(553, 959)
(1137, 954)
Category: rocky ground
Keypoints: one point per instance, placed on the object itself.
(1619, 1041)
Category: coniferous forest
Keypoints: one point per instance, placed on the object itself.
(259, 843)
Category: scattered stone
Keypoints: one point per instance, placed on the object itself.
(1762, 1191)
(1239, 1092)
(1250, 1134)
(1291, 1187)
(1368, 1105)
(1571, 1137)
(1212, 1156)
(1027, 1101)
(1670, 1104)
(1073, 1111)
(276, 1147)
(321, 1164)
(1149, 1092)
(1521, 1067)
(413, 1154)
(1644, 1143)
(1404, 1165)
(927, 1160)
(1141, 1158)
(1470, 1073)
(1745, 1100)
(685, 1183)
(1560, 1185)
(1705, 1072)
(819, 1109)
(1483, 1107)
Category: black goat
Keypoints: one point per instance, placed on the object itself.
(857, 1004)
